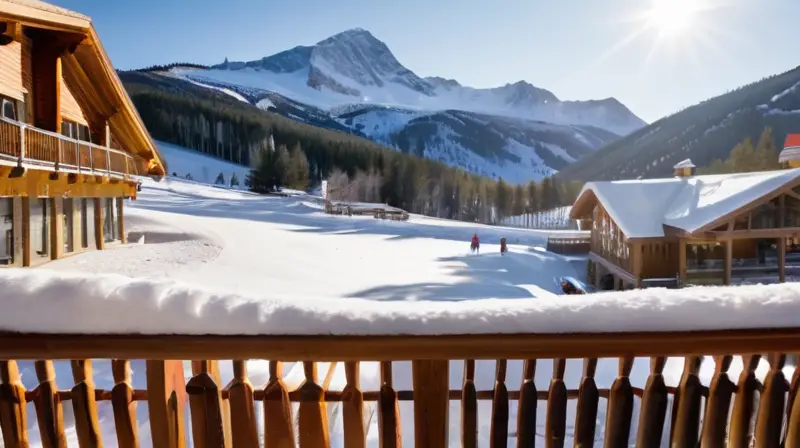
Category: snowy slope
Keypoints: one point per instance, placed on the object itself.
(215, 240)
(355, 67)
(201, 167)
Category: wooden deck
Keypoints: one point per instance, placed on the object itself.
(223, 415)
(578, 245)
(25, 146)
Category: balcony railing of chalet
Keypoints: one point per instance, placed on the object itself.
(29, 146)
(224, 415)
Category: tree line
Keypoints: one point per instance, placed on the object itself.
(287, 153)
(745, 157)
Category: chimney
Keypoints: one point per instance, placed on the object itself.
(684, 168)
(790, 156)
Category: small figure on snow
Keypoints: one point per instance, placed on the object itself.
(503, 247)
(476, 244)
(569, 288)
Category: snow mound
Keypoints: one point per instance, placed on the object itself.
(85, 303)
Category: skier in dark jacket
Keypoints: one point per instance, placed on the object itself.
(503, 247)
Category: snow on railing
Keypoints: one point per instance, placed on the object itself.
(353, 352)
(28, 146)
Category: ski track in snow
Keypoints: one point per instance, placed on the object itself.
(243, 243)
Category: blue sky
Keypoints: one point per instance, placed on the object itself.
(570, 47)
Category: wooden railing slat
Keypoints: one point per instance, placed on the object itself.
(353, 408)
(743, 405)
(313, 414)
(620, 407)
(278, 425)
(84, 406)
(431, 402)
(49, 411)
(556, 424)
(498, 432)
(469, 407)
(166, 399)
(792, 437)
(588, 401)
(654, 407)
(771, 405)
(124, 405)
(13, 419)
(526, 406)
(715, 423)
(389, 428)
(686, 407)
(244, 432)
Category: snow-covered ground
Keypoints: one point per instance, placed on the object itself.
(203, 168)
(267, 258)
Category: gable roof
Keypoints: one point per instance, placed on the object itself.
(641, 208)
(124, 120)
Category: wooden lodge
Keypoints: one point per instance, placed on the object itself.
(703, 230)
(71, 141)
(378, 211)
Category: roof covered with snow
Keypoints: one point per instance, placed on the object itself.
(685, 164)
(641, 208)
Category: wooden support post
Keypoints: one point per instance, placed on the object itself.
(76, 225)
(431, 405)
(121, 218)
(98, 224)
(682, 260)
(636, 262)
(18, 230)
(26, 231)
(782, 258)
(728, 262)
(166, 399)
(56, 227)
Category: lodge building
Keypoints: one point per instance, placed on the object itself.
(695, 230)
(71, 142)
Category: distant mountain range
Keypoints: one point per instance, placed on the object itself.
(353, 83)
(703, 132)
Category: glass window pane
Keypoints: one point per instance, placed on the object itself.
(8, 109)
(6, 231)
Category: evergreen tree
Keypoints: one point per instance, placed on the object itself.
(743, 157)
(502, 199)
(189, 176)
(297, 173)
(220, 179)
(766, 152)
(234, 180)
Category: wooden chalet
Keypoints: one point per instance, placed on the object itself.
(71, 141)
(688, 229)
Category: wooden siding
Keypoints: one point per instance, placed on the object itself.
(608, 240)
(11, 84)
(659, 259)
(70, 109)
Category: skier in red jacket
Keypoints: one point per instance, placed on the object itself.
(476, 243)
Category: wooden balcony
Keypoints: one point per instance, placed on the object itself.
(710, 415)
(25, 146)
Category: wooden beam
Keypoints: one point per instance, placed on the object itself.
(324, 348)
(782, 259)
(18, 230)
(682, 260)
(728, 262)
(99, 239)
(56, 211)
(758, 233)
(26, 231)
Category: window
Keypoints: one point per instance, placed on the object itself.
(68, 225)
(9, 108)
(39, 228)
(75, 130)
(110, 220)
(6, 231)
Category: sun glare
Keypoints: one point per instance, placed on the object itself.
(673, 17)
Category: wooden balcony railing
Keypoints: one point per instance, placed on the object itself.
(27, 146)
(710, 415)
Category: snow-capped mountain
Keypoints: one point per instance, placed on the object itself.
(354, 67)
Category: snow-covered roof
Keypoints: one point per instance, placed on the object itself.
(791, 148)
(641, 208)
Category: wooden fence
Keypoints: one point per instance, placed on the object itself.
(224, 415)
(579, 245)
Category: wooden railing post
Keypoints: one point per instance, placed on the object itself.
(312, 415)
(686, 407)
(48, 407)
(244, 431)
(526, 408)
(718, 404)
(13, 421)
(588, 401)
(205, 402)
(84, 405)
(124, 405)
(498, 432)
(389, 429)
(770, 410)
(654, 407)
(620, 407)
(166, 399)
(353, 408)
(741, 432)
(278, 424)
(469, 407)
(431, 403)
(792, 437)
(556, 425)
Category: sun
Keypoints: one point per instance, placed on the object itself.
(673, 18)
